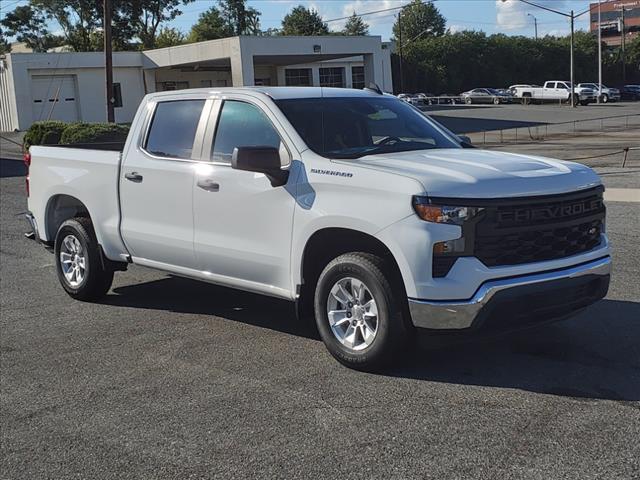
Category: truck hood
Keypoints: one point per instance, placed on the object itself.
(471, 173)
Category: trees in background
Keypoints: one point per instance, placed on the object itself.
(418, 20)
(169, 37)
(355, 26)
(142, 19)
(303, 21)
(455, 62)
(29, 26)
(239, 19)
(210, 26)
(5, 46)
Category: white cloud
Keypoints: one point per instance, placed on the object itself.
(512, 14)
(457, 28)
(364, 6)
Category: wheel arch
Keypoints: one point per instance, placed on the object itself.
(60, 208)
(326, 244)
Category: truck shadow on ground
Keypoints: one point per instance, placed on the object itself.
(595, 355)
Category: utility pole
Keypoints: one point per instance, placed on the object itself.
(108, 60)
(599, 55)
(573, 99)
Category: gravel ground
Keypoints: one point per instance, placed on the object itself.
(170, 378)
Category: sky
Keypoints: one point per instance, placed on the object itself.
(511, 17)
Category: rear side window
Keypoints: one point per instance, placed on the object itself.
(242, 125)
(173, 128)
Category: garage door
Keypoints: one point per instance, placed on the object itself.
(54, 98)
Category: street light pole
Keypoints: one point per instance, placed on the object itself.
(599, 55)
(573, 98)
(400, 49)
(571, 16)
(535, 25)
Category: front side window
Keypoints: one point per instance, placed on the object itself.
(173, 128)
(242, 125)
(352, 127)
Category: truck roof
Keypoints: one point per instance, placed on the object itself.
(278, 93)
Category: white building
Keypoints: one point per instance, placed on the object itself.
(71, 86)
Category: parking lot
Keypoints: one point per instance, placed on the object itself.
(170, 378)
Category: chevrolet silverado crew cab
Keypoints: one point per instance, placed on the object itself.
(370, 216)
(555, 91)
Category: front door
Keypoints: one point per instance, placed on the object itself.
(156, 187)
(242, 224)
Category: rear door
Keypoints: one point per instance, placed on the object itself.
(243, 225)
(156, 182)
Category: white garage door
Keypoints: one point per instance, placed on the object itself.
(54, 98)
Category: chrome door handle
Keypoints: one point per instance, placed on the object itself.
(133, 176)
(209, 185)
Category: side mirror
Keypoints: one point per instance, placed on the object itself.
(465, 141)
(262, 160)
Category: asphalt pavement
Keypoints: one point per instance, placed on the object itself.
(168, 378)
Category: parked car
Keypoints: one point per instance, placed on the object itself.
(554, 91)
(371, 217)
(485, 95)
(608, 94)
(412, 99)
(630, 92)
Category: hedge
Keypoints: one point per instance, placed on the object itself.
(44, 133)
(59, 133)
(94, 133)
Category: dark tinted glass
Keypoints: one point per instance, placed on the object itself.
(173, 128)
(242, 125)
(352, 127)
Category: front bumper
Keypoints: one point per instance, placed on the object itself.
(518, 301)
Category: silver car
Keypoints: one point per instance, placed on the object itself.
(485, 95)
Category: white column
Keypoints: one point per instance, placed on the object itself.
(242, 70)
(315, 76)
(370, 70)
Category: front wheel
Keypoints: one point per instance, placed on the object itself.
(79, 262)
(468, 101)
(358, 310)
(605, 98)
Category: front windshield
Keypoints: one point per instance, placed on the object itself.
(352, 127)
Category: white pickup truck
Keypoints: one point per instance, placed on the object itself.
(554, 91)
(370, 216)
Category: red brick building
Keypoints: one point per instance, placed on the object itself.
(611, 20)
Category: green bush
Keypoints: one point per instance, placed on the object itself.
(94, 133)
(44, 133)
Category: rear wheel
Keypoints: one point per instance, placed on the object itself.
(79, 263)
(526, 99)
(359, 312)
(605, 98)
(496, 101)
(468, 101)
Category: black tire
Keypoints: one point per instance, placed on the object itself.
(496, 101)
(97, 278)
(391, 325)
(584, 103)
(605, 98)
(468, 101)
(526, 100)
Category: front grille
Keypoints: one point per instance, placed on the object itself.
(542, 228)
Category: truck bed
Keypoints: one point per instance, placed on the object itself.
(59, 176)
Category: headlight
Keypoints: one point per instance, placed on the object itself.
(443, 214)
